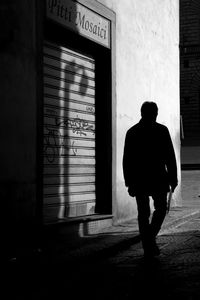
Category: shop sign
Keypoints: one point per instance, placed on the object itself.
(80, 19)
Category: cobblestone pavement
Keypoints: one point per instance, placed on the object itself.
(110, 265)
(174, 275)
(118, 272)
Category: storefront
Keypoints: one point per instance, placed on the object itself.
(75, 76)
(78, 110)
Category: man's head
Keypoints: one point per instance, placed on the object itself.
(149, 111)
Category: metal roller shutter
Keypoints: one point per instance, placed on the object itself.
(69, 133)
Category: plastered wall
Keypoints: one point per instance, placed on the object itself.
(147, 69)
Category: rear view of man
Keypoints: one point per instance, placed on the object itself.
(149, 166)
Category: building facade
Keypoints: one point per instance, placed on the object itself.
(75, 74)
(189, 81)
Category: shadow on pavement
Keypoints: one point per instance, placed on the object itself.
(117, 271)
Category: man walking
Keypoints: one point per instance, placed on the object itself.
(149, 166)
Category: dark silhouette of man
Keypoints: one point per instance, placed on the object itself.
(149, 166)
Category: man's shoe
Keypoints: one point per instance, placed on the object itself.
(152, 250)
(155, 249)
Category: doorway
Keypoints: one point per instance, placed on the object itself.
(77, 152)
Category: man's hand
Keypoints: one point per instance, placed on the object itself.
(131, 191)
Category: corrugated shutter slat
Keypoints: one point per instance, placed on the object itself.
(69, 169)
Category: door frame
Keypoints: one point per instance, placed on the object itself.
(40, 15)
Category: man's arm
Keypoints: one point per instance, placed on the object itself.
(125, 162)
(171, 162)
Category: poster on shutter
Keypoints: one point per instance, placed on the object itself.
(69, 134)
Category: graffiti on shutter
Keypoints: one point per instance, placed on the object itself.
(69, 133)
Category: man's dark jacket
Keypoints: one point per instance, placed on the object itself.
(149, 162)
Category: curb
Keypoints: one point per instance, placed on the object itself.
(110, 246)
(103, 245)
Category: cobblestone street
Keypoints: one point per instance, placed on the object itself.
(174, 275)
(110, 265)
(120, 272)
